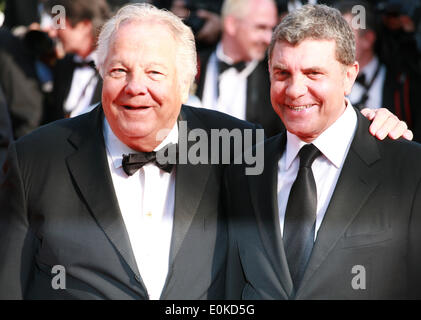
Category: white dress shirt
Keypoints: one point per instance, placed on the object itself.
(82, 89)
(375, 92)
(334, 144)
(232, 97)
(146, 201)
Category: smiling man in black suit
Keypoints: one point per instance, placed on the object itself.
(336, 213)
(157, 233)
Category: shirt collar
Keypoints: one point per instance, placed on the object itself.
(333, 143)
(221, 55)
(116, 148)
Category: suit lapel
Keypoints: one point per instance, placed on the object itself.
(89, 168)
(190, 185)
(355, 185)
(266, 210)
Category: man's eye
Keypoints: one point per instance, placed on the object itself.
(281, 74)
(117, 72)
(314, 74)
(155, 74)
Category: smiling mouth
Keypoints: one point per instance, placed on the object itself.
(135, 108)
(300, 108)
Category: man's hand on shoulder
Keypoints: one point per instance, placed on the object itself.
(386, 124)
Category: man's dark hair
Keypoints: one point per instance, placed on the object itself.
(96, 11)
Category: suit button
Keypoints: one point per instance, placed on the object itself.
(137, 278)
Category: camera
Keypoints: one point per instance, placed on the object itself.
(193, 20)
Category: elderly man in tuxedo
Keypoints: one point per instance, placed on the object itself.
(68, 203)
(78, 221)
(336, 214)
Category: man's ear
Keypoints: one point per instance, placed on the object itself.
(351, 73)
(230, 25)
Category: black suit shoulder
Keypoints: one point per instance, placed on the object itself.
(216, 120)
(399, 154)
(46, 147)
(402, 157)
(57, 130)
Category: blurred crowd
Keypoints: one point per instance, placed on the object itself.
(47, 69)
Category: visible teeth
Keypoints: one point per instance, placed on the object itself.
(299, 108)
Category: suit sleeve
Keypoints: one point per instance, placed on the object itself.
(414, 265)
(17, 241)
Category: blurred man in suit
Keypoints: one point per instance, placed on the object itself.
(19, 82)
(336, 213)
(234, 78)
(77, 84)
(379, 84)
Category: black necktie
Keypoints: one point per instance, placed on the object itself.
(300, 216)
(134, 161)
(223, 66)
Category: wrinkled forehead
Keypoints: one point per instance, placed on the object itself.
(152, 25)
(306, 53)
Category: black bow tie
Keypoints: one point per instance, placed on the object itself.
(81, 64)
(223, 66)
(164, 159)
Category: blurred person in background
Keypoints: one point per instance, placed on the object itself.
(20, 83)
(399, 44)
(77, 84)
(203, 16)
(233, 78)
(382, 83)
(22, 13)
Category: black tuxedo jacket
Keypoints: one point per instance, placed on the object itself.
(258, 105)
(373, 220)
(63, 75)
(5, 131)
(58, 207)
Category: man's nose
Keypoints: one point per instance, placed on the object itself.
(296, 87)
(136, 84)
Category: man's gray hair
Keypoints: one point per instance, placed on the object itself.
(143, 12)
(317, 22)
